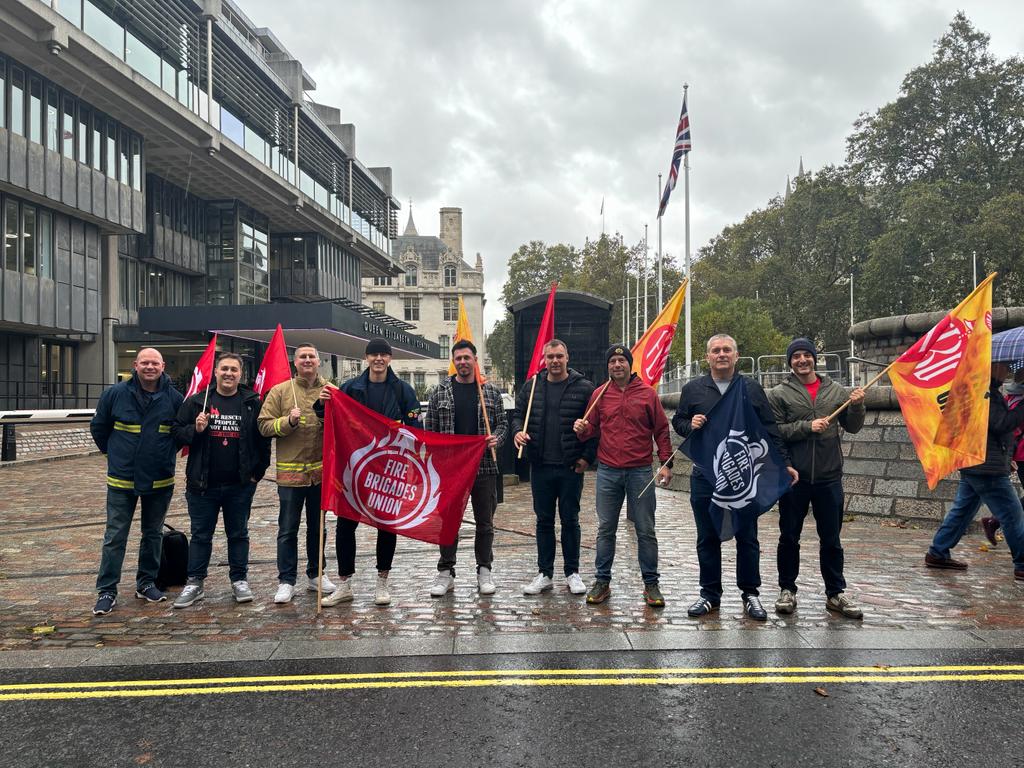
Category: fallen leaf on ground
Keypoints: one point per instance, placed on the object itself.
(983, 548)
(821, 692)
(45, 629)
(881, 666)
(849, 518)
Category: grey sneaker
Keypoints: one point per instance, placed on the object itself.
(786, 602)
(342, 594)
(844, 606)
(192, 593)
(243, 594)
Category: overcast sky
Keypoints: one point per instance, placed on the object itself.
(526, 113)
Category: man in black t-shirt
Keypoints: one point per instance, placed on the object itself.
(227, 458)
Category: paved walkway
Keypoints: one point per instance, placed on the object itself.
(51, 527)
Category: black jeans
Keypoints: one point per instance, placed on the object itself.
(485, 500)
(289, 516)
(345, 546)
(826, 501)
(709, 547)
(553, 484)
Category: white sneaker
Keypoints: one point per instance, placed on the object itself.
(327, 584)
(540, 583)
(342, 594)
(443, 583)
(485, 582)
(381, 596)
(284, 593)
(575, 584)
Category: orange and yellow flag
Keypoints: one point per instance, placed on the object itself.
(942, 384)
(651, 352)
(463, 331)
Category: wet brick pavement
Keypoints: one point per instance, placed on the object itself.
(51, 528)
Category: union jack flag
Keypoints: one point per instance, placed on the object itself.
(682, 147)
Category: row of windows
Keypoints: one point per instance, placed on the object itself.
(32, 107)
(175, 209)
(146, 285)
(451, 276)
(449, 309)
(28, 238)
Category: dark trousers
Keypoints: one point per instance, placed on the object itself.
(120, 511)
(709, 547)
(553, 484)
(289, 516)
(485, 500)
(235, 501)
(345, 546)
(826, 502)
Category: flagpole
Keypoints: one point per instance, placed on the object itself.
(659, 470)
(687, 303)
(483, 408)
(625, 310)
(636, 315)
(526, 421)
(661, 299)
(320, 564)
(646, 273)
(597, 399)
(845, 405)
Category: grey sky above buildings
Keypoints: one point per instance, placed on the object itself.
(526, 114)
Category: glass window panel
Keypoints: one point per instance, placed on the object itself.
(103, 29)
(68, 128)
(232, 127)
(3, 93)
(84, 119)
(183, 89)
(136, 164)
(122, 158)
(255, 145)
(306, 184)
(71, 10)
(111, 149)
(11, 234)
(141, 58)
(169, 77)
(35, 114)
(411, 275)
(45, 237)
(28, 238)
(17, 101)
(97, 142)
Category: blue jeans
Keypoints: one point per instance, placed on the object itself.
(614, 485)
(120, 511)
(292, 501)
(553, 484)
(203, 506)
(709, 546)
(996, 492)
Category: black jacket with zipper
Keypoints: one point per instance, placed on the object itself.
(253, 448)
(1000, 442)
(573, 405)
(816, 455)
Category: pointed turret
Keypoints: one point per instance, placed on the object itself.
(410, 227)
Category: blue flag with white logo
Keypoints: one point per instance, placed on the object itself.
(734, 452)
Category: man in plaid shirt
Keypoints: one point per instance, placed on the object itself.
(454, 409)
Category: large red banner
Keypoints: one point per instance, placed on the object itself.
(394, 477)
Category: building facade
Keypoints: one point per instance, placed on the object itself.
(427, 295)
(160, 155)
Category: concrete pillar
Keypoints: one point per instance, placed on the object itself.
(110, 307)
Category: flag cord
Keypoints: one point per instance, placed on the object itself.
(845, 405)
(529, 407)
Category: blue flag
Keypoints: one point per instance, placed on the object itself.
(734, 452)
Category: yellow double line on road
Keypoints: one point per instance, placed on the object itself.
(486, 678)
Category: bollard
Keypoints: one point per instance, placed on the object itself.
(9, 444)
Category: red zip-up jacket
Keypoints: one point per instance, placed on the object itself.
(626, 420)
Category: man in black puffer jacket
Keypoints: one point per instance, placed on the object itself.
(557, 462)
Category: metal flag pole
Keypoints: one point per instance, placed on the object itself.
(646, 273)
(625, 309)
(661, 298)
(689, 282)
(636, 315)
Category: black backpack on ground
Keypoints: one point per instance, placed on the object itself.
(173, 559)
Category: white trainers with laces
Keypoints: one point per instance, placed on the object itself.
(540, 583)
(284, 593)
(485, 582)
(381, 596)
(327, 584)
(443, 583)
(575, 584)
(341, 594)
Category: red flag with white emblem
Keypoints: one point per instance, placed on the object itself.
(651, 352)
(202, 374)
(275, 368)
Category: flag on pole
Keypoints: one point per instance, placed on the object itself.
(602, 206)
(734, 453)
(463, 331)
(942, 384)
(275, 368)
(651, 352)
(393, 477)
(681, 147)
(544, 335)
(202, 374)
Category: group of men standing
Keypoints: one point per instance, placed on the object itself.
(570, 426)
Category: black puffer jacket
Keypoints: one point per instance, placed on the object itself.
(1000, 444)
(574, 403)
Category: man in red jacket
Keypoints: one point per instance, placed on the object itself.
(628, 415)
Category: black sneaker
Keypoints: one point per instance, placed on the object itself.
(989, 525)
(599, 592)
(753, 608)
(105, 604)
(700, 608)
(150, 594)
(653, 596)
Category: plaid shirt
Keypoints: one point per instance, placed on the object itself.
(440, 417)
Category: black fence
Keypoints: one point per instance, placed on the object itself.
(45, 395)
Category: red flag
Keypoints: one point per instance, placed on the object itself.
(275, 368)
(393, 477)
(544, 335)
(202, 374)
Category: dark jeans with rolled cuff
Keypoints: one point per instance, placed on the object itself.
(345, 546)
(288, 519)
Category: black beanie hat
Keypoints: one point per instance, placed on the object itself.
(619, 349)
(798, 345)
(378, 347)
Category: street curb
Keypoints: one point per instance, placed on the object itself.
(492, 645)
(44, 459)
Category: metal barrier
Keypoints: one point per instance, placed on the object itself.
(43, 395)
(773, 369)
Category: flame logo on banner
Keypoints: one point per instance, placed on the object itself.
(939, 353)
(737, 468)
(656, 352)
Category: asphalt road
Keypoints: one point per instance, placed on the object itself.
(713, 708)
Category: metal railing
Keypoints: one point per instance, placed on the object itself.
(44, 395)
(769, 370)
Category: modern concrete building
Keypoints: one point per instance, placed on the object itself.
(162, 155)
(427, 294)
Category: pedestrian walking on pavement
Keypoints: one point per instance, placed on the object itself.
(557, 462)
(461, 405)
(629, 422)
(380, 390)
(288, 415)
(132, 426)
(801, 405)
(1014, 396)
(696, 400)
(987, 483)
(226, 460)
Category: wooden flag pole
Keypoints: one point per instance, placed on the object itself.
(656, 473)
(483, 408)
(597, 399)
(845, 405)
(320, 564)
(295, 399)
(526, 421)
(206, 397)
